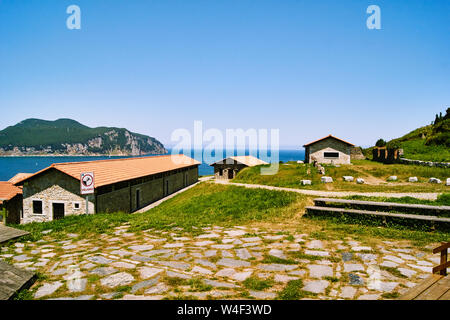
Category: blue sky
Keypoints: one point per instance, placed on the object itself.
(307, 68)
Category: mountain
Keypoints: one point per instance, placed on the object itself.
(428, 143)
(69, 137)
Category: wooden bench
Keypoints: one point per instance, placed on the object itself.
(374, 205)
(437, 286)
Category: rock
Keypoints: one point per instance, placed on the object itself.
(407, 256)
(315, 244)
(235, 233)
(233, 263)
(263, 295)
(251, 239)
(447, 182)
(22, 257)
(159, 288)
(360, 181)
(173, 245)
(359, 248)
(172, 274)
(157, 252)
(389, 264)
(407, 272)
(47, 289)
(141, 247)
(147, 272)
(349, 267)
(118, 279)
(320, 271)
(144, 284)
(318, 286)
(99, 260)
(141, 258)
(175, 264)
(382, 286)
(219, 284)
(277, 267)
(103, 271)
(348, 178)
(203, 243)
(210, 253)
(283, 278)
(241, 276)
(300, 161)
(76, 285)
(227, 272)
(347, 256)
(277, 253)
(413, 179)
(305, 182)
(355, 279)
(223, 246)
(123, 265)
(326, 179)
(394, 258)
(243, 254)
(434, 180)
(348, 292)
(317, 253)
(206, 263)
(201, 270)
(369, 297)
(392, 178)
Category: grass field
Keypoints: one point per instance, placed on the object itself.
(375, 175)
(220, 205)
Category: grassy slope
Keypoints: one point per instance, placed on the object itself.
(290, 176)
(219, 205)
(428, 143)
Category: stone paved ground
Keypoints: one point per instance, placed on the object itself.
(215, 264)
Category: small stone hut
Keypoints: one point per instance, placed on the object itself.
(120, 185)
(10, 202)
(329, 150)
(228, 168)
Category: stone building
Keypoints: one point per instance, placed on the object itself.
(228, 168)
(121, 185)
(329, 150)
(10, 202)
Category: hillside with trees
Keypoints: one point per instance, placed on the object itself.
(428, 143)
(69, 137)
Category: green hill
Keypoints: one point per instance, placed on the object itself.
(428, 143)
(66, 136)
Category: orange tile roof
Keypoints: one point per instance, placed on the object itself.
(328, 136)
(8, 190)
(247, 160)
(20, 176)
(112, 171)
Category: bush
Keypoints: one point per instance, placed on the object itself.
(380, 143)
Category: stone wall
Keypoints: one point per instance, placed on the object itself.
(51, 187)
(226, 168)
(13, 209)
(318, 149)
(125, 199)
(425, 163)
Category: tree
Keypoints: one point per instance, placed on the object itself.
(380, 143)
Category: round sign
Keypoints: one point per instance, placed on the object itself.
(87, 180)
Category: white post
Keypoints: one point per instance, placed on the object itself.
(87, 204)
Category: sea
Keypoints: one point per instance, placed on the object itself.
(10, 166)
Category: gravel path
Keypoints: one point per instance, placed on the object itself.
(318, 193)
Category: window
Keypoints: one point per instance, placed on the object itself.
(331, 154)
(76, 205)
(37, 207)
(220, 172)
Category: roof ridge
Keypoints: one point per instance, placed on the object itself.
(108, 160)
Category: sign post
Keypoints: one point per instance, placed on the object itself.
(87, 186)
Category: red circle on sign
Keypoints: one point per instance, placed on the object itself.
(88, 180)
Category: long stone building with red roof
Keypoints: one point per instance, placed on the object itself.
(121, 185)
